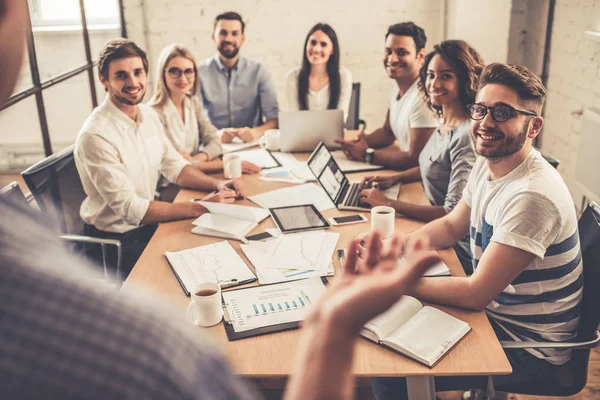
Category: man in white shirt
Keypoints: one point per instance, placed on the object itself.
(121, 152)
(409, 120)
(524, 239)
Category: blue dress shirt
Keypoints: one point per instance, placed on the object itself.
(238, 97)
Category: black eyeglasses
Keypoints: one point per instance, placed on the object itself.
(500, 113)
(175, 72)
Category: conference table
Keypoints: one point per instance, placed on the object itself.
(271, 356)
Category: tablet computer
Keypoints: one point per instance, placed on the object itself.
(298, 218)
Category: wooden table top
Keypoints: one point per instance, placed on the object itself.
(272, 355)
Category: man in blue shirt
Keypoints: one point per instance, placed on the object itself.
(238, 94)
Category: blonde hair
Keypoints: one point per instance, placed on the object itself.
(161, 91)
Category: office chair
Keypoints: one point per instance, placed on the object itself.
(13, 193)
(571, 377)
(55, 184)
(553, 161)
(353, 121)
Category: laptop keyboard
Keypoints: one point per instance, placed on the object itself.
(353, 199)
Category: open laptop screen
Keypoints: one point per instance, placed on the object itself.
(326, 170)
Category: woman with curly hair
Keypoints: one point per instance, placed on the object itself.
(448, 81)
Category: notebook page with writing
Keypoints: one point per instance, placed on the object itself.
(427, 335)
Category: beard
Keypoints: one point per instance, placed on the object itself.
(229, 54)
(129, 102)
(510, 146)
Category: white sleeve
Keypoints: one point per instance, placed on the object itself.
(345, 91)
(292, 90)
(421, 115)
(103, 165)
(529, 221)
(172, 162)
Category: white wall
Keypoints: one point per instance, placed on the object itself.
(484, 25)
(528, 22)
(573, 84)
(276, 31)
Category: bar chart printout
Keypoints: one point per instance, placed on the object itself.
(262, 306)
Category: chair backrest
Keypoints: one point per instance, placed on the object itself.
(13, 193)
(55, 184)
(589, 238)
(352, 119)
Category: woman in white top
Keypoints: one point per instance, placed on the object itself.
(181, 112)
(321, 83)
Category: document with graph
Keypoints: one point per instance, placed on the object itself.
(217, 262)
(270, 308)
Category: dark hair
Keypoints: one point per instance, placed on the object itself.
(529, 87)
(229, 16)
(409, 29)
(117, 49)
(333, 69)
(466, 63)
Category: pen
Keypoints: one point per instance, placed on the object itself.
(226, 284)
(238, 197)
(341, 253)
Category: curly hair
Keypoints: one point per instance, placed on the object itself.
(466, 63)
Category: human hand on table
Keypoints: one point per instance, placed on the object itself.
(374, 197)
(354, 149)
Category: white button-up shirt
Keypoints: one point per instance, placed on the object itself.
(120, 162)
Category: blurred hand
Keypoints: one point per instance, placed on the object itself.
(232, 184)
(222, 196)
(374, 197)
(246, 134)
(368, 288)
(249, 168)
(383, 182)
(228, 134)
(354, 149)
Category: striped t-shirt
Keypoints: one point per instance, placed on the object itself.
(530, 208)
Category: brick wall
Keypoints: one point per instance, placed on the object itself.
(573, 84)
(276, 31)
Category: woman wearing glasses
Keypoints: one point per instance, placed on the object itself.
(321, 83)
(181, 112)
(448, 81)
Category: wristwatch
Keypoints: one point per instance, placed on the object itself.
(369, 155)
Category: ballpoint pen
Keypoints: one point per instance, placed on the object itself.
(341, 253)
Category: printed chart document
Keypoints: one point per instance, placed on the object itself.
(238, 144)
(259, 157)
(422, 333)
(350, 166)
(228, 221)
(217, 263)
(292, 257)
(262, 306)
(308, 193)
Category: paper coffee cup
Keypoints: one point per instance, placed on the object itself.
(232, 166)
(205, 309)
(382, 220)
(271, 140)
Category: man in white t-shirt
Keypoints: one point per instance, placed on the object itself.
(524, 239)
(409, 120)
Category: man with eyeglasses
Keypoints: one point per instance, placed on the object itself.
(121, 152)
(524, 240)
(239, 95)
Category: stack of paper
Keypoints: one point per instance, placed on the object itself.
(228, 221)
(308, 193)
(292, 257)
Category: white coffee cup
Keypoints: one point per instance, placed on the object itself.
(271, 140)
(232, 166)
(382, 220)
(205, 309)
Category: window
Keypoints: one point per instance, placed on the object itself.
(66, 13)
(57, 88)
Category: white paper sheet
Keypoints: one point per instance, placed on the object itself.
(258, 157)
(217, 263)
(238, 144)
(308, 193)
(262, 306)
(254, 214)
(349, 166)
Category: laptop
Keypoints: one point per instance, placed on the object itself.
(304, 130)
(344, 194)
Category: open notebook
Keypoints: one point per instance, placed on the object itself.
(228, 221)
(422, 333)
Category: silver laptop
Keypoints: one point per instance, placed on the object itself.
(344, 194)
(304, 130)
